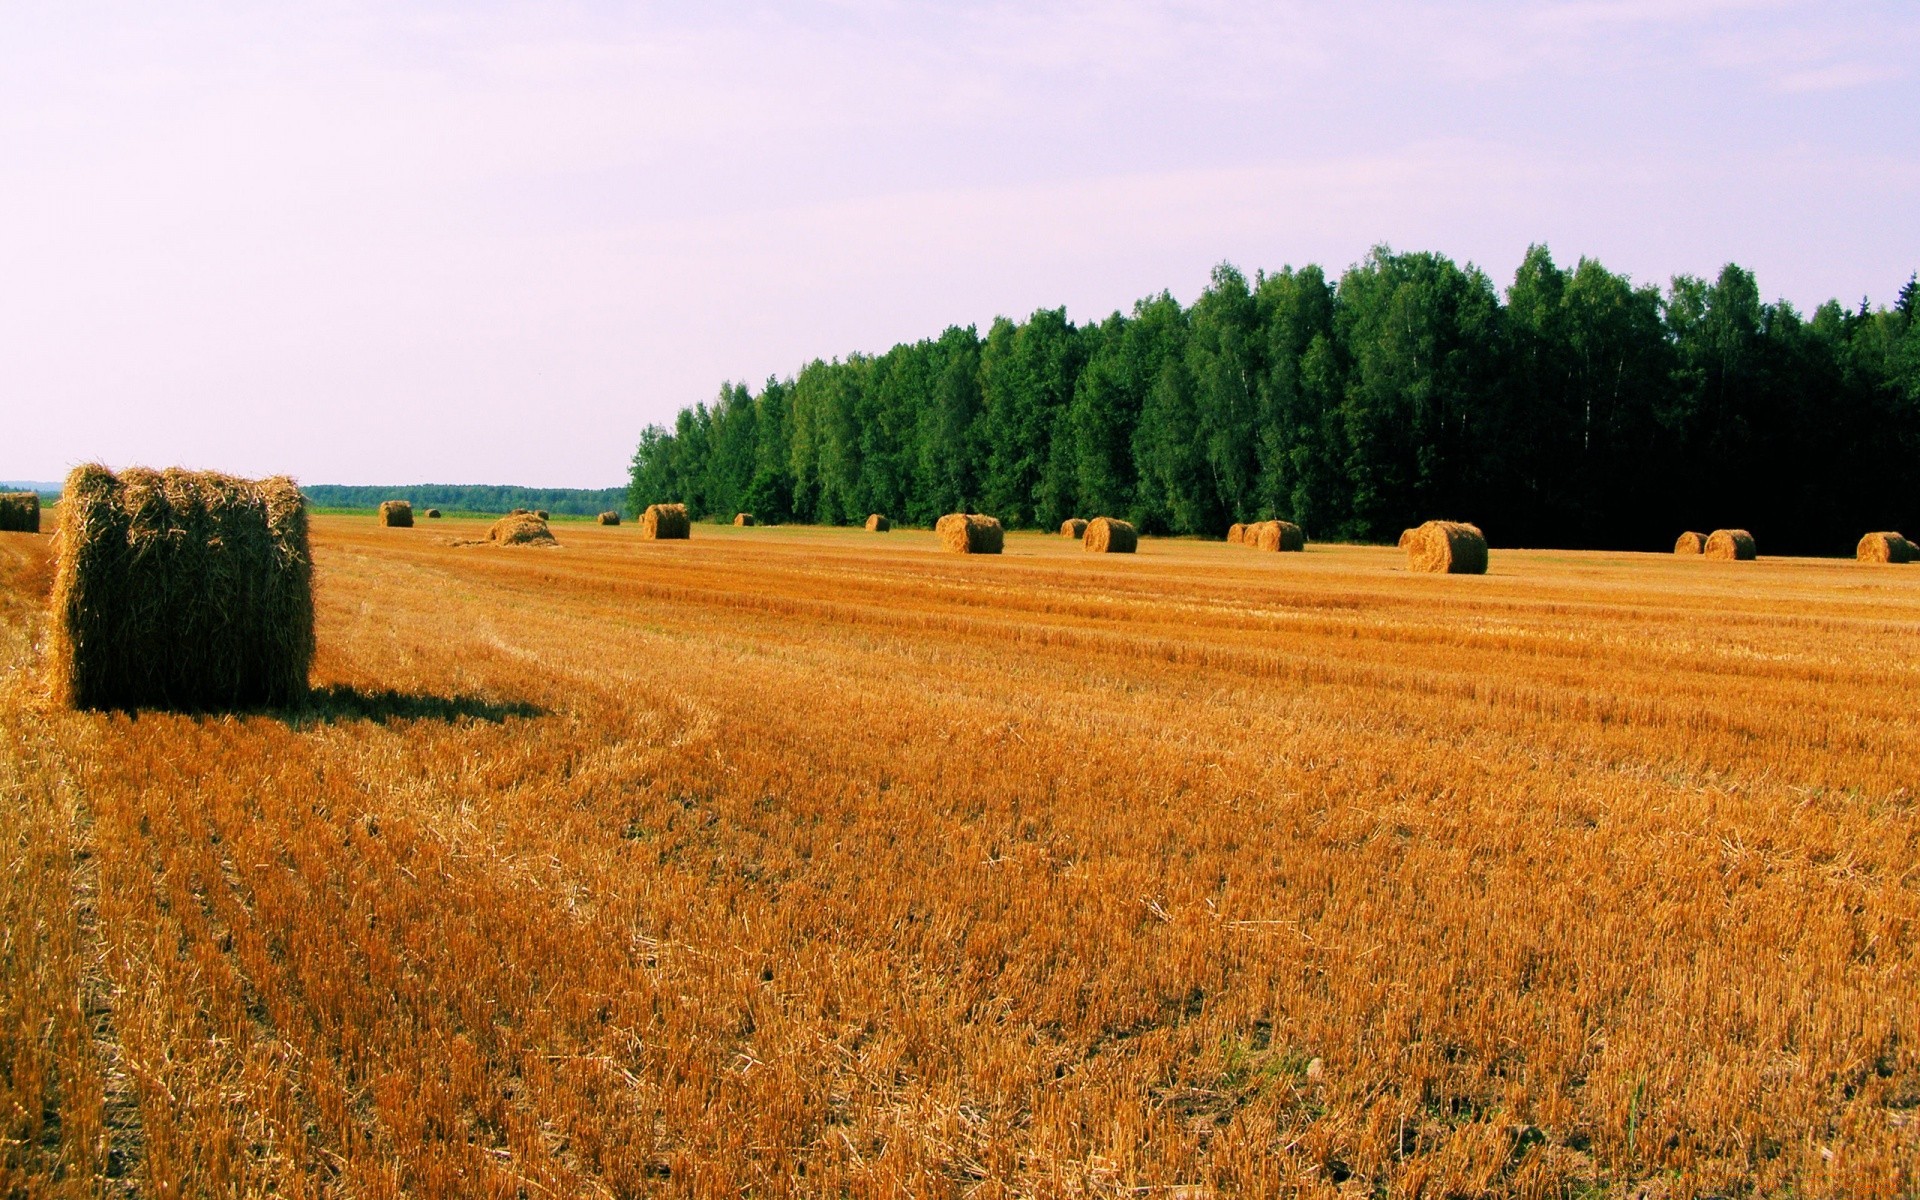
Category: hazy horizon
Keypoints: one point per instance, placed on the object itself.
(362, 244)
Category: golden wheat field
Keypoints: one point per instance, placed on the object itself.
(787, 862)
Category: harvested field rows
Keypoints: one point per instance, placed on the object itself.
(802, 862)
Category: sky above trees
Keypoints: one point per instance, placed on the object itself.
(491, 242)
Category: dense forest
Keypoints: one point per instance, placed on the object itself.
(468, 497)
(1579, 410)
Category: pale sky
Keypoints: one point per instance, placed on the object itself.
(489, 242)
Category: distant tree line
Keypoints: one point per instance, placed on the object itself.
(1579, 410)
(472, 498)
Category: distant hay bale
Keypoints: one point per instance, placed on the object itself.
(518, 512)
(1110, 535)
(1885, 548)
(609, 518)
(1690, 543)
(1275, 535)
(1236, 534)
(396, 514)
(970, 533)
(521, 529)
(180, 589)
(19, 512)
(1407, 535)
(1073, 527)
(543, 514)
(433, 514)
(1731, 544)
(878, 524)
(1448, 547)
(744, 519)
(665, 522)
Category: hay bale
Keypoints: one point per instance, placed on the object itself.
(1885, 548)
(521, 529)
(19, 512)
(1276, 536)
(970, 533)
(518, 512)
(180, 589)
(608, 518)
(1407, 535)
(543, 514)
(433, 514)
(1731, 544)
(1690, 543)
(1449, 547)
(1236, 534)
(665, 522)
(1110, 535)
(878, 524)
(1073, 527)
(396, 514)
(743, 519)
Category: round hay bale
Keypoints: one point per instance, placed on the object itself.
(543, 514)
(744, 519)
(518, 512)
(1236, 534)
(180, 589)
(1276, 536)
(878, 524)
(1073, 527)
(970, 533)
(1690, 543)
(396, 514)
(1731, 544)
(608, 518)
(521, 529)
(1447, 547)
(1110, 535)
(666, 522)
(1884, 548)
(19, 512)
(433, 514)
(1406, 535)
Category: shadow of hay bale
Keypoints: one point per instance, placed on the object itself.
(337, 703)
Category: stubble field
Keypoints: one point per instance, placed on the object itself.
(808, 862)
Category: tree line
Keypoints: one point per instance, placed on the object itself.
(1578, 410)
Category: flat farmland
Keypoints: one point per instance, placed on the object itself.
(816, 862)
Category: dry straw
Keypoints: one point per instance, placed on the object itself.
(1884, 548)
(1073, 527)
(1276, 535)
(521, 529)
(1110, 535)
(744, 519)
(970, 533)
(180, 589)
(433, 514)
(1407, 535)
(1448, 547)
(665, 522)
(1733, 544)
(1236, 534)
(1690, 543)
(396, 514)
(19, 512)
(609, 518)
(877, 523)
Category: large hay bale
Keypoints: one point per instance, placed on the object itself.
(19, 512)
(609, 518)
(1449, 547)
(1276, 536)
(743, 519)
(1690, 543)
(665, 522)
(396, 514)
(1073, 527)
(970, 533)
(180, 589)
(1236, 534)
(1884, 548)
(1731, 544)
(433, 514)
(878, 524)
(521, 529)
(1110, 535)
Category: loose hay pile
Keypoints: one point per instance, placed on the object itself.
(609, 518)
(1448, 547)
(1275, 536)
(878, 524)
(1690, 543)
(970, 533)
(1731, 544)
(180, 589)
(1073, 527)
(1236, 534)
(521, 529)
(1885, 548)
(19, 512)
(743, 519)
(396, 514)
(1109, 535)
(665, 522)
